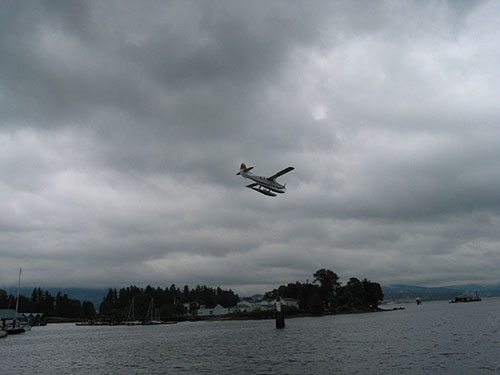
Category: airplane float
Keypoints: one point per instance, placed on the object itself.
(265, 185)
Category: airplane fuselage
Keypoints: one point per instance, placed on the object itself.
(264, 182)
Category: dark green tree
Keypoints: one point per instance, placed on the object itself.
(4, 299)
(360, 294)
(193, 307)
(316, 304)
(47, 304)
(373, 293)
(88, 310)
(352, 294)
(329, 282)
(25, 304)
(186, 293)
(36, 298)
(108, 303)
(66, 307)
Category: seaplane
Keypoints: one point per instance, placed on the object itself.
(264, 185)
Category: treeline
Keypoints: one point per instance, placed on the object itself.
(42, 301)
(326, 294)
(168, 302)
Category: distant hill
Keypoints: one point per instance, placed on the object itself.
(400, 292)
(476, 287)
(82, 294)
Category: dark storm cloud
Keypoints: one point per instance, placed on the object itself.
(123, 125)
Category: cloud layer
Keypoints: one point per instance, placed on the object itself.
(123, 124)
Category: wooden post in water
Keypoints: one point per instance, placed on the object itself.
(280, 316)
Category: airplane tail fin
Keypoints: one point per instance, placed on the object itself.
(244, 168)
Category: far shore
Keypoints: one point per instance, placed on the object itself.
(262, 315)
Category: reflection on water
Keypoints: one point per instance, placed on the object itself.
(435, 337)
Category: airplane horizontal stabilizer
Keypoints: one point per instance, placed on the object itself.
(244, 168)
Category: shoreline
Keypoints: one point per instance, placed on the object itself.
(266, 315)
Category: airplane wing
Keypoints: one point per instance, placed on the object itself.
(281, 173)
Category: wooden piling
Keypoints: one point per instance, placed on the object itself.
(280, 320)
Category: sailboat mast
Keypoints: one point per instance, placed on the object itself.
(18, 290)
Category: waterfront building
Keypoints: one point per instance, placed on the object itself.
(215, 311)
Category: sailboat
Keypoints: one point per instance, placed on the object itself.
(16, 326)
(131, 321)
(153, 316)
(3, 332)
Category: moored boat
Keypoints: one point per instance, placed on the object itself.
(131, 321)
(15, 331)
(467, 297)
(153, 316)
(14, 323)
(12, 327)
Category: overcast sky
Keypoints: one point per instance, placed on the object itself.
(123, 124)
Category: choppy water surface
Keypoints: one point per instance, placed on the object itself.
(435, 337)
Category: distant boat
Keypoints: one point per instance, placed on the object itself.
(16, 327)
(153, 316)
(131, 321)
(467, 297)
(3, 333)
(13, 327)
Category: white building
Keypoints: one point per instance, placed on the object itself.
(214, 311)
(292, 302)
(243, 306)
(263, 305)
(266, 305)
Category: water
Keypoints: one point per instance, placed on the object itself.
(433, 338)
